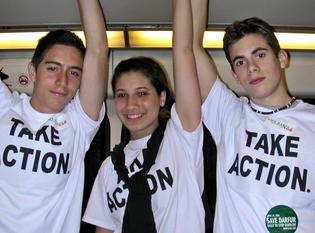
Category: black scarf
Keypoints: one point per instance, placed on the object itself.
(138, 217)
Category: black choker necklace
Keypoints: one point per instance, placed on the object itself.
(273, 111)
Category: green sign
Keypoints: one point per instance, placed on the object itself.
(281, 219)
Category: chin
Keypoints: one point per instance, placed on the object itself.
(57, 109)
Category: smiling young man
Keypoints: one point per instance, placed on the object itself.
(264, 140)
(56, 78)
(44, 137)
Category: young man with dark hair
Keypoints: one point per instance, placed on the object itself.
(264, 140)
(44, 136)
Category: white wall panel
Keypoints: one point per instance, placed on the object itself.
(14, 64)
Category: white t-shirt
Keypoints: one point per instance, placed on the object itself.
(42, 165)
(265, 168)
(176, 181)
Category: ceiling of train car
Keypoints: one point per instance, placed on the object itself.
(48, 13)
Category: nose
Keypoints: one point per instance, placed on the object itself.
(252, 66)
(62, 79)
(131, 102)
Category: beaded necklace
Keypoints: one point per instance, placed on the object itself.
(273, 111)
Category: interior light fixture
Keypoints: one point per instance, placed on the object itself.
(163, 39)
(20, 40)
(153, 39)
(28, 40)
(287, 40)
(150, 39)
(115, 38)
(214, 40)
(296, 41)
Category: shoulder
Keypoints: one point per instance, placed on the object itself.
(107, 166)
(302, 106)
(106, 173)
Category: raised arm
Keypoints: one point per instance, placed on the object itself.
(95, 67)
(206, 69)
(187, 91)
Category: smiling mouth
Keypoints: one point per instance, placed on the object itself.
(134, 116)
(59, 94)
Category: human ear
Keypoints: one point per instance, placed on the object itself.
(283, 58)
(31, 71)
(162, 98)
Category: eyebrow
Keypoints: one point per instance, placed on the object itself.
(59, 64)
(137, 89)
(259, 49)
(253, 52)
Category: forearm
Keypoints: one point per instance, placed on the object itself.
(93, 24)
(95, 68)
(206, 69)
(185, 74)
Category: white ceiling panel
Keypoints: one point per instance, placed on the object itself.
(45, 13)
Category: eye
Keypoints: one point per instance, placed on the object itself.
(51, 68)
(141, 93)
(120, 95)
(75, 73)
(239, 63)
(261, 54)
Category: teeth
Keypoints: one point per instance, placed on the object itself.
(134, 116)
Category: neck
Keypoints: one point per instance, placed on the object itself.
(273, 109)
(273, 101)
(137, 134)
